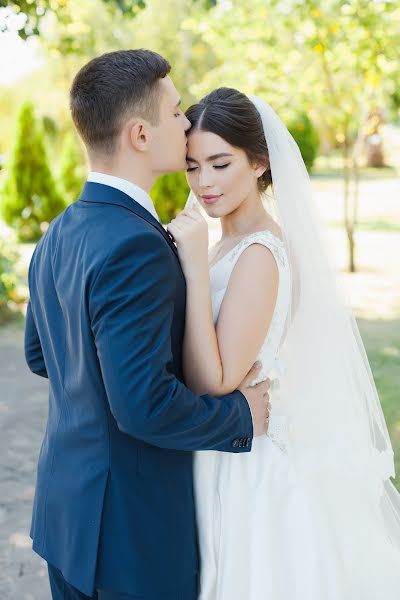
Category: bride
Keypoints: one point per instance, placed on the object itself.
(310, 513)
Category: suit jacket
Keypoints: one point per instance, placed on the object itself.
(114, 505)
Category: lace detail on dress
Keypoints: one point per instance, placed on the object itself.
(274, 243)
(278, 432)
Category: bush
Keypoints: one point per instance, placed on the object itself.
(169, 194)
(306, 137)
(50, 127)
(10, 280)
(30, 199)
(72, 170)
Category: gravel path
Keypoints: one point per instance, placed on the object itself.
(23, 409)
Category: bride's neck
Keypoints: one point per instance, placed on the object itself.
(248, 217)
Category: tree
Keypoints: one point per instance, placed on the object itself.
(12, 284)
(306, 137)
(29, 199)
(72, 170)
(30, 15)
(169, 195)
(355, 76)
(317, 57)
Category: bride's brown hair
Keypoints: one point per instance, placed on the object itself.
(231, 115)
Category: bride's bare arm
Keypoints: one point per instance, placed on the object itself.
(216, 359)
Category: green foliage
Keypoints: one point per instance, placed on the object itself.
(50, 127)
(59, 10)
(29, 198)
(169, 195)
(306, 137)
(318, 57)
(188, 55)
(9, 278)
(72, 170)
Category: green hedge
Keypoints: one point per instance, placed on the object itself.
(29, 199)
(306, 137)
(72, 169)
(169, 195)
(10, 279)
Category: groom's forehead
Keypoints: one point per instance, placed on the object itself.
(170, 92)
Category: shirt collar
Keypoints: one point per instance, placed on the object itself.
(129, 188)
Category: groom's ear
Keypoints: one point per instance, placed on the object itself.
(139, 136)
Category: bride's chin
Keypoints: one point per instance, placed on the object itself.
(213, 212)
(218, 212)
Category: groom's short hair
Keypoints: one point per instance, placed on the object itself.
(112, 87)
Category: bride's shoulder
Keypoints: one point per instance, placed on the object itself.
(263, 234)
(248, 249)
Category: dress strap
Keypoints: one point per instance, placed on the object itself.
(266, 238)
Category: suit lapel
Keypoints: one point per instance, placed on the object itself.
(105, 194)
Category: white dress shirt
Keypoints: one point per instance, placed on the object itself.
(129, 188)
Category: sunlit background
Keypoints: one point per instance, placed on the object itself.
(332, 72)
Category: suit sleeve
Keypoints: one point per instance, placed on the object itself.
(33, 348)
(131, 307)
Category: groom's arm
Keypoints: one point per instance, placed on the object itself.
(33, 348)
(131, 308)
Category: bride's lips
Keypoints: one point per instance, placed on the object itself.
(211, 199)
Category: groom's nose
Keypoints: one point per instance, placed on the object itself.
(187, 124)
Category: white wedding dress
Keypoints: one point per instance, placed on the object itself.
(258, 536)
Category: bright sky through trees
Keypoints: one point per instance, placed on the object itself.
(17, 58)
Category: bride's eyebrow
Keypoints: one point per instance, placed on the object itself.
(210, 158)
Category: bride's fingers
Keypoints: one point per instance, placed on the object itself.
(175, 227)
(172, 229)
(192, 213)
(183, 216)
(186, 220)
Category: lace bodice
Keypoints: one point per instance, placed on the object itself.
(268, 355)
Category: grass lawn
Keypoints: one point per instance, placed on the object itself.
(382, 341)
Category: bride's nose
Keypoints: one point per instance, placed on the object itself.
(205, 179)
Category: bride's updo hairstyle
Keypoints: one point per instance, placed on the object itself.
(228, 113)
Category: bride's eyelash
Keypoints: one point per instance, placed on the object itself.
(189, 169)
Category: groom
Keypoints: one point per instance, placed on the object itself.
(114, 512)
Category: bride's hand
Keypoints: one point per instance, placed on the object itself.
(190, 232)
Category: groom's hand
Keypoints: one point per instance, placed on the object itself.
(258, 399)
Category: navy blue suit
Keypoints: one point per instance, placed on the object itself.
(114, 506)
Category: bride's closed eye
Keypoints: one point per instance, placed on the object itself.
(189, 169)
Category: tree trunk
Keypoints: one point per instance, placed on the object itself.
(355, 178)
(375, 154)
(351, 174)
(347, 208)
(374, 141)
